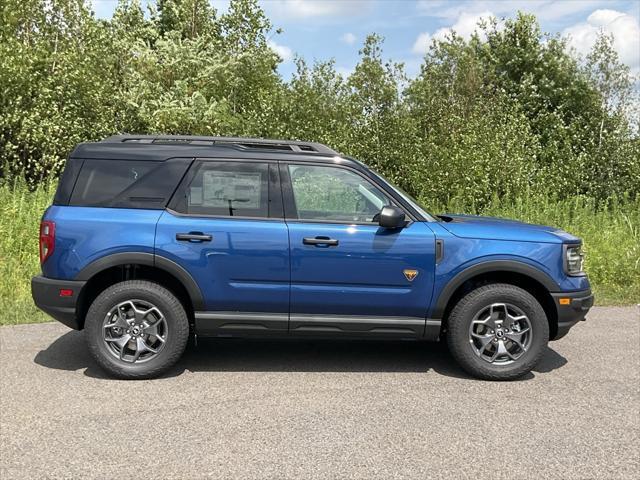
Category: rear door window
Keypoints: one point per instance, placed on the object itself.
(230, 189)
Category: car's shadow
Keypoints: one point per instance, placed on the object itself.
(69, 352)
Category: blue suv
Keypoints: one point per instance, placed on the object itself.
(151, 239)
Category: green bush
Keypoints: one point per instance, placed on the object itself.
(500, 123)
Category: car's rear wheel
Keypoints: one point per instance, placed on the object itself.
(498, 332)
(136, 329)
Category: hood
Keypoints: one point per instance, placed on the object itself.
(492, 228)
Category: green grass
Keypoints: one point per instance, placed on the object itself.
(611, 237)
(20, 212)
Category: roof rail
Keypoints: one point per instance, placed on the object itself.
(244, 143)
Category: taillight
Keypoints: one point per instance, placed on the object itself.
(47, 239)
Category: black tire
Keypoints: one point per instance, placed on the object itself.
(176, 322)
(459, 323)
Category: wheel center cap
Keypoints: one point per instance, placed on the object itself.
(499, 333)
(136, 330)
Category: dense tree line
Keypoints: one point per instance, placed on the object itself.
(508, 113)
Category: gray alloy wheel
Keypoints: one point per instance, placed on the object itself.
(500, 333)
(135, 331)
(497, 331)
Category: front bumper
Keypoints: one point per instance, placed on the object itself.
(572, 307)
(46, 295)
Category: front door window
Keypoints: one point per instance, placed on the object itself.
(334, 194)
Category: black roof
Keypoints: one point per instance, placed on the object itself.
(162, 147)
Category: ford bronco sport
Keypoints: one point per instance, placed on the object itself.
(151, 239)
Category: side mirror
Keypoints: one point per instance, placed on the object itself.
(391, 217)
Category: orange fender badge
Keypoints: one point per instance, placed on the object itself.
(410, 274)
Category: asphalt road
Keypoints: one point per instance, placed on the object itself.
(283, 409)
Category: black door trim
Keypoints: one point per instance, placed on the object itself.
(313, 324)
(215, 324)
(240, 324)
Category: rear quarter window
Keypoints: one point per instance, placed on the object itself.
(127, 184)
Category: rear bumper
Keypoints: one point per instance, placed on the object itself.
(573, 311)
(46, 295)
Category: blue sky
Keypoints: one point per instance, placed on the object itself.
(324, 29)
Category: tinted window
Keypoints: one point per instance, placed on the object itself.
(67, 181)
(121, 183)
(331, 193)
(101, 181)
(231, 189)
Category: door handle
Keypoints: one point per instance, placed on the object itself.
(193, 237)
(329, 242)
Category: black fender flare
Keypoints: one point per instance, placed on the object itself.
(490, 266)
(151, 260)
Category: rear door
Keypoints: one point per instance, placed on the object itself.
(225, 227)
(348, 275)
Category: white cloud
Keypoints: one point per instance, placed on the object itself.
(465, 25)
(545, 10)
(624, 28)
(601, 18)
(284, 52)
(345, 71)
(348, 38)
(422, 43)
(316, 8)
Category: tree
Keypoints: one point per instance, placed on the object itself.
(49, 59)
(507, 112)
(381, 130)
(192, 18)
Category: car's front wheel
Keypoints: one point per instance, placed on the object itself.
(136, 329)
(498, 332)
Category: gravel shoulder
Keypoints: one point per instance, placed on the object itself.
(323, 409)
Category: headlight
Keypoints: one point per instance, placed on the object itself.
(573, 259)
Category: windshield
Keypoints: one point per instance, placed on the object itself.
(405, 196)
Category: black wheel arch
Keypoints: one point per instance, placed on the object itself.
(520, 274)
(138, 265)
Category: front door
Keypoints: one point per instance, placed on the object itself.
(348, 275)
(225, 228)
